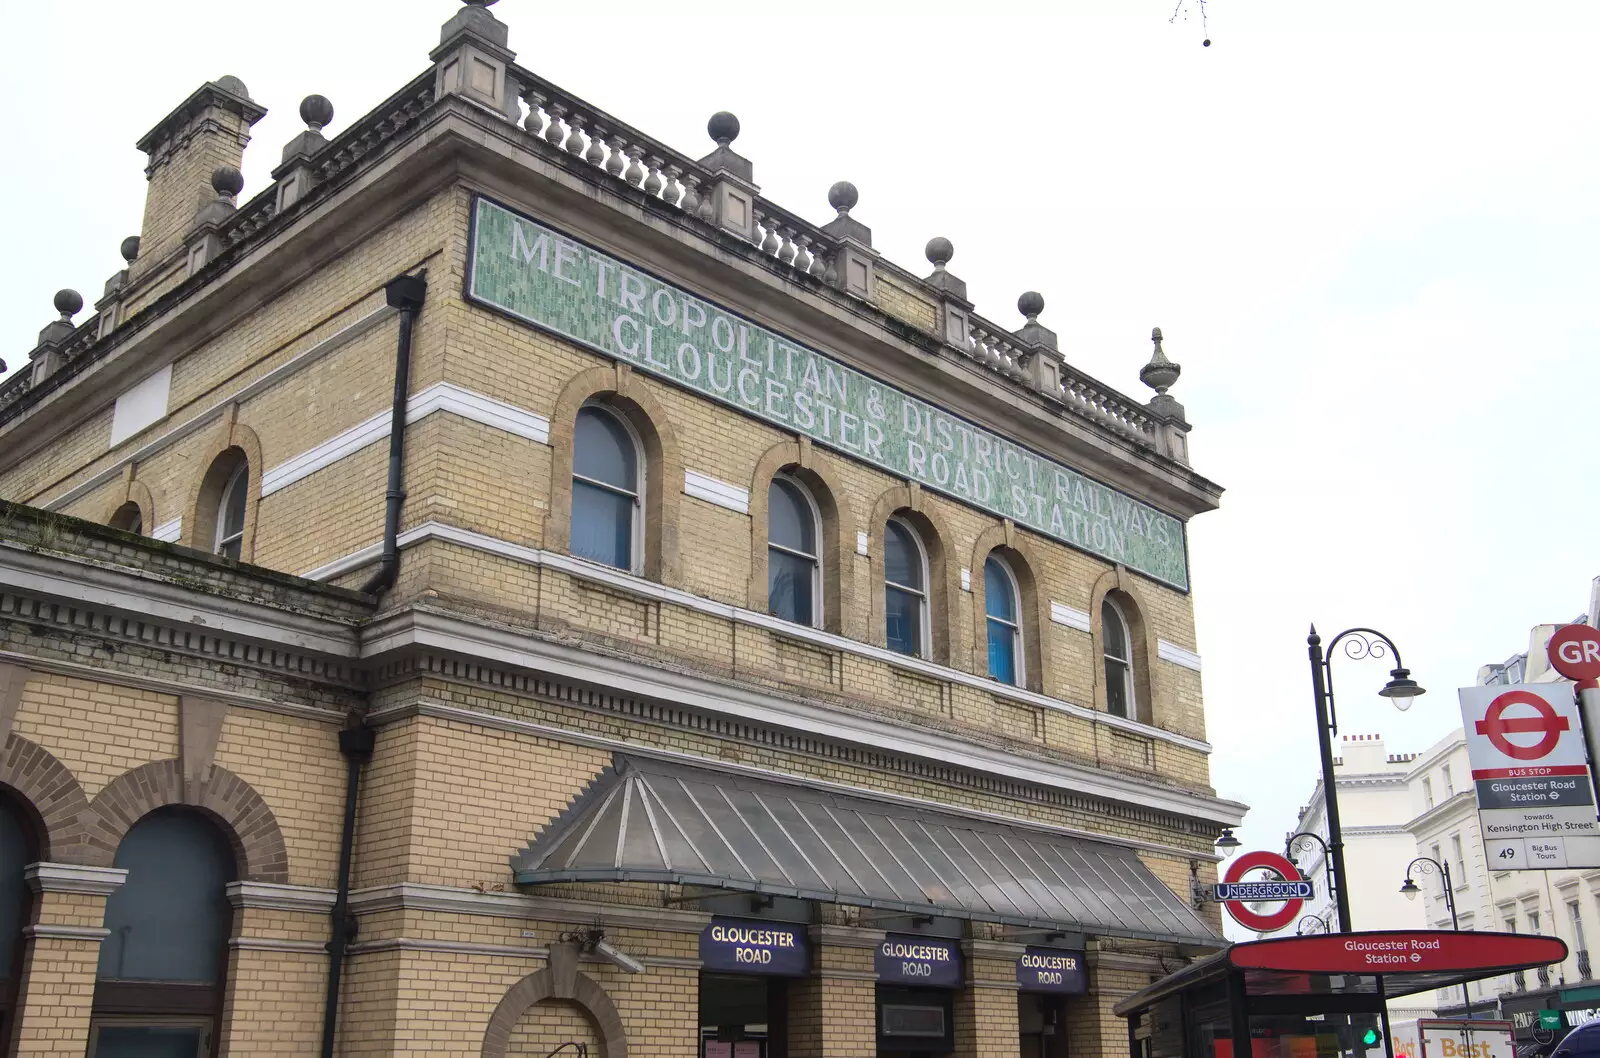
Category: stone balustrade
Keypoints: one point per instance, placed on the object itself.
(554, 120)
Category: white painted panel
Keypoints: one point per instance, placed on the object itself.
(446, 396)
(861, 542)
(441, 396)
(171, 532)
(705, 487)
(1062, 614)
(1177, 655)
(331, 451)
(142, 404)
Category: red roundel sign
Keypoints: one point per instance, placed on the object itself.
(1291, 888)
(1574, 652)
(1544, 727)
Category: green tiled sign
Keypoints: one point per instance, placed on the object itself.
(559, 284)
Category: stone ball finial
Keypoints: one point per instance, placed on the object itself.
(479, 3)
(130, 249)
(723, 127)
(229, 83)
(843, 197)
(317, 112)
(939, 251)
(69, 303)
(227, 181)
(1031, 304)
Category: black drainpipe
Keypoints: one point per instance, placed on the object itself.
(356, 739)
(404, 293)
(356, 742)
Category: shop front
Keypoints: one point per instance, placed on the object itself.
(1542, 1018)
(1046, 977)
(917, 978)
(1313, 997)
(746, 966)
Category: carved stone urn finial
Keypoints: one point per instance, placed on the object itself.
(1160, 373)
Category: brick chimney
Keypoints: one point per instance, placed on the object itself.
(207, 130)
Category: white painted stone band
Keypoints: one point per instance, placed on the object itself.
(1177, 655)
(705, 487)
(1062, 614)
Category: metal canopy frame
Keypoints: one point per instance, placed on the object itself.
(645, 820)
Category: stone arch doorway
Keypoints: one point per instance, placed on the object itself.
(551, 1025)
(554, 1006)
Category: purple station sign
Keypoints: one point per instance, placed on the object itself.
(903, 959)
(733, 945)
(1051, 970)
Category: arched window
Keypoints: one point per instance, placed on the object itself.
(605, 490)
(1119, 659)
(160, 980)
(905, 590)
(17, 850)
(1003, 620)
(129, 520)
(794, 575)
(230, 513)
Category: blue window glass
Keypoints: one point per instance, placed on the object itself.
(791, 553)
(15, 855)
(1000, 606)
(904, 598)
(605, 489)
(169, 920)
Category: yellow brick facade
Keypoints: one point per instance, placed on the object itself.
(501, 678)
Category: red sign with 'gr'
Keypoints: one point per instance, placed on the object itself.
(1574, 651)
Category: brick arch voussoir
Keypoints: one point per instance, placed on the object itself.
(199, 519)
(50, 789)
(244, 815)
(539, 986)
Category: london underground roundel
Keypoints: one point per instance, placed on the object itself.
(1290, 887)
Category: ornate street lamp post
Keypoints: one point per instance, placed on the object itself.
(1358, 643)
(1302, 842)
(1429, 865)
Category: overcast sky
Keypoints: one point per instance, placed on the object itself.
(1368, 230)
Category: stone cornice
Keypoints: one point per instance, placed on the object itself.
(46, 877)
(443, 711)
(274, 897)
(51, 931)
(525, 906)
(1458, 805)
(128, 593)
(431, 630)
(121, 677)
(643, 588)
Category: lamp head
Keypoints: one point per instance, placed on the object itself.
(1227, 842)
(1401, 688)
(1409, 888)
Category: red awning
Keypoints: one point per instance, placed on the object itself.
(1399, 962)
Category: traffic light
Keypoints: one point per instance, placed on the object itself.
(1371, 1038)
